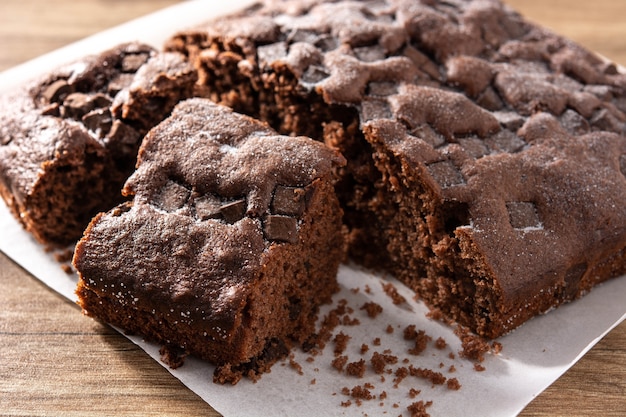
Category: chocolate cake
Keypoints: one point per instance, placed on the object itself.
(231, 241)
(486, 155)
(68, 141)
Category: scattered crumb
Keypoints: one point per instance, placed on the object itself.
(478, 367)
(418, 409)
(349, 321)
(341, 343)
(392, 292)
(421, 342)
(474, 347)
(346, 403)
(382, 395)
(67, 268)
(453, 384)
(380, 361)
(368, 290)
(376, 342)
(436, 378)
(364, 348)
(389, 329)
(313, 381)
(451, 355)
(356, 368)
(295, 365)
(452, 369)
(400, 374)
(355, 290)
(339, 362)
(441, 343)
(414, 393)
(372, 309)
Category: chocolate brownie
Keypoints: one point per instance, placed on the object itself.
(231, 242)
(486, 155)
(69, 140)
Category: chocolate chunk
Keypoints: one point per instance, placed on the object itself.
(119, 83)
(131, 63)
(99, 121)
(53, 109)
(281, 228)
(446, 174)
(76, 105)
(207, 208)
(172, 197)
(56, 91)
(233, 211)
(523, 214)
(123, 133)
(288, 201)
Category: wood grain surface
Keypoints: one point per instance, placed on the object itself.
(56, 362)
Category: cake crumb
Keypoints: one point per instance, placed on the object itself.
(364, 348)
(313, 381)
(474, 347)
(421, 343)
(379, 361)
(295, 365)
(414, 393)
(452, 369)
(441, 343)
(389, 329)
(376, 341)
(372, 309)
(478, 367)
(356, 368)
(341, 343)
(400, 374)
(436, 378)
(418, 409)
(392, 292)
(453, 384)
(339, 363)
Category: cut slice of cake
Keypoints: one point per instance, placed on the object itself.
(69, 140)
(230, 244)
(486, 155)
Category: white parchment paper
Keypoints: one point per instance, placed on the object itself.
(533, 356)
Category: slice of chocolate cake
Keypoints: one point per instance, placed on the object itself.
(486, 155)
(229, 246)
(69, 140)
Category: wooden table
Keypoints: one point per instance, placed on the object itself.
(54, 361)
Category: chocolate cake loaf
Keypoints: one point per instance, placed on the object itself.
(486, 155)
(69, 140)
(230, 244)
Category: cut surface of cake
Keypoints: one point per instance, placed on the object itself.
(486, 155)
(69, 140)
(231, 242)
